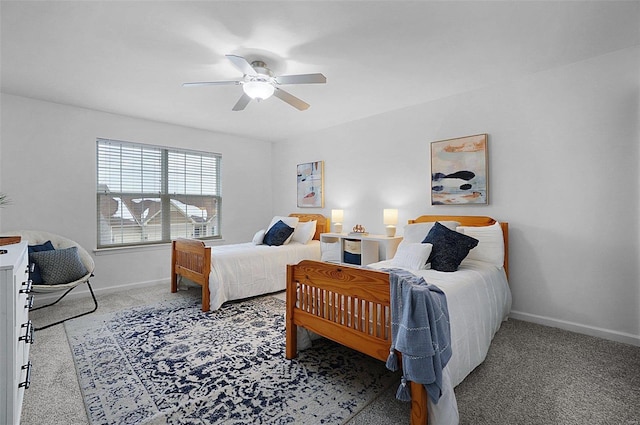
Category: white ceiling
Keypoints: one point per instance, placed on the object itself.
(131, 57)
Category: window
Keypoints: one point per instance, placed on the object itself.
(150, 194)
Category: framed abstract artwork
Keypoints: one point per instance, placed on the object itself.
(310, 183)
(459, 171)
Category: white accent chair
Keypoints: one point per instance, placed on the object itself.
(37, 237)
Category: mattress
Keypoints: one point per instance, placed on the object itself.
(245, 270)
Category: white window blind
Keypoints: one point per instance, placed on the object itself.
(150, 194)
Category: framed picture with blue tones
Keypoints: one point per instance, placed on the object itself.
(310, 183)
(459, 171)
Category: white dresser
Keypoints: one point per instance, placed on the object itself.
(16, 331)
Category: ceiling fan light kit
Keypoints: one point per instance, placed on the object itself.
(259, 86)
(259, 83)
(258, 90)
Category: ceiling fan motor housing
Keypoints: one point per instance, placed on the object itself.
(261, 68)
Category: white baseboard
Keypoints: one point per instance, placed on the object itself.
(577, 327)
(82, 291)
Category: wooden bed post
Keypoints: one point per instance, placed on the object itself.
(174, 277)
(206, 266)
(418, 404)
(291, 329)
(505, 234)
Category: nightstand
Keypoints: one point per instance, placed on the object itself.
(359, 250)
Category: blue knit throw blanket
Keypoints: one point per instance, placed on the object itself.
(420, 331)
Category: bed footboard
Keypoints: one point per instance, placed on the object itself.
(343, 303)
(191, 259)
(348, 305)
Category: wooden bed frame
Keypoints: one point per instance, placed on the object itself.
(346, 304)
(191, 258)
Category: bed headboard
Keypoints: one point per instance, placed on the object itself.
(322, 226)
(472, 220)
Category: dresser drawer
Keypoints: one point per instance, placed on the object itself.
(16, 331)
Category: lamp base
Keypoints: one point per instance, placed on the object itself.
(391, 231)
(337, 227)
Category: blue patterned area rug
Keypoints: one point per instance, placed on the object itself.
(169, 363)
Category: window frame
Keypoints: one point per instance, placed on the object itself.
(164, 194)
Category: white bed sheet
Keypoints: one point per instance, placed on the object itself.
(246, 270)
(478, 299)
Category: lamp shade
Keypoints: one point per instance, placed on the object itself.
(390, 216)
(337, 216)
(260, 90)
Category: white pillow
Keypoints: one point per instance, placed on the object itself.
(258, 238)
(412, 256)
(416, 232)
(289, 221)
(490, 248)
(304, 232)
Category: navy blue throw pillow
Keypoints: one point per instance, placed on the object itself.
(36, 275)
(449, 248)
(277, 234)
(60, 265)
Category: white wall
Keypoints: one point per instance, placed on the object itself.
(48, 168)
(563, 166)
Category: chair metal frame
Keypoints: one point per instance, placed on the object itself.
(95, 302)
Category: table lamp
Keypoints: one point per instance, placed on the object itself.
(390, 218)
(336, 217)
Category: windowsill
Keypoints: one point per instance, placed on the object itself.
(123, 249)
(140, 248)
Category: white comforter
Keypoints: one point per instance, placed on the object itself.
(479, 299)
(246, 270)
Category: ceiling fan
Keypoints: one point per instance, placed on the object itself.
(259, 83)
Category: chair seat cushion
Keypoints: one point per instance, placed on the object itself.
(59, 266)
(34, 272)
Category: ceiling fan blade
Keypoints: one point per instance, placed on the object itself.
(242, 102)
(211, 83)
(302, 79)
(242, 64)
(291, 99)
